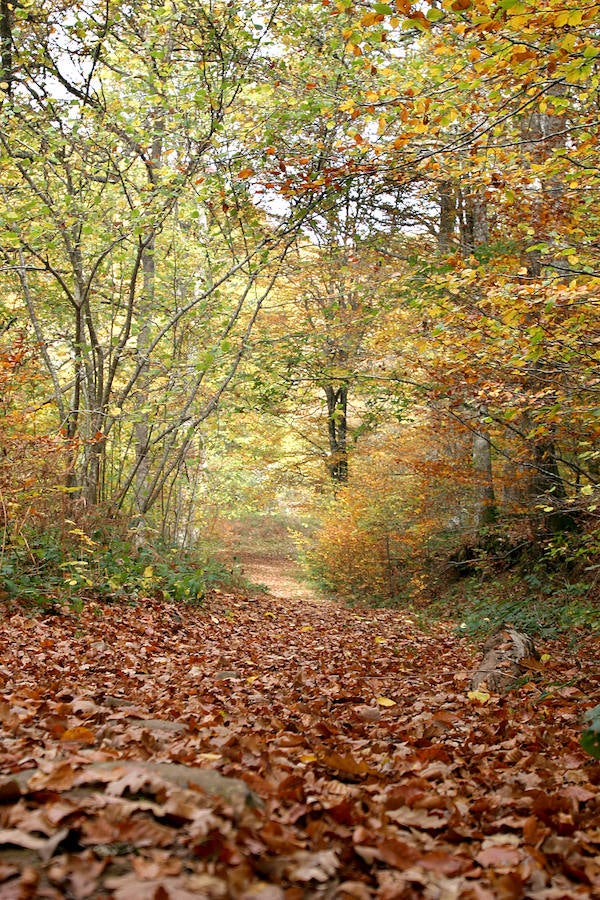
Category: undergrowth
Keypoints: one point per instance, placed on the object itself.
(547, 608)
(547, 586)
(52, 567)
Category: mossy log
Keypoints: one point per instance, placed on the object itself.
(504, 660)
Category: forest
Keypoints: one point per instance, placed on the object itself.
(299, 381)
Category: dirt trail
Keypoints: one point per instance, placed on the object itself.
(280, 575)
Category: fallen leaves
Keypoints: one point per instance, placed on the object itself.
(284, 752)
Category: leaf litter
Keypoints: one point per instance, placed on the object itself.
(280, 750)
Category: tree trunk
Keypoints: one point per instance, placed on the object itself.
(337, 406)
(447, 218)
(6, 62)
(504, 654)
(485, 508)
(541, 134)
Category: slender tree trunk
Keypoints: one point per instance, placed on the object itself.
(337, 425)
(6, 61)
(146, 310)
(142, 428)
(485, 509)
(541, 133)
(447, 217)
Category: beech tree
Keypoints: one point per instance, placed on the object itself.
(129, 233)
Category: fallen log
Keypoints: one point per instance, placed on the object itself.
(505, 655)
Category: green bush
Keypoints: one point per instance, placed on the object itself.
(546, 608)
(590, 740)
(51, 567)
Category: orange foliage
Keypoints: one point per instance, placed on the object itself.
(32, 461)
(407, 492)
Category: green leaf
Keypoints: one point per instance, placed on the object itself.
(590, 741)
(434, 14)
(383, 8)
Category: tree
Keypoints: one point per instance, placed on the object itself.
(129, 229)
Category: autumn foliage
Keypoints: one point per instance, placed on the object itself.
(33, 460)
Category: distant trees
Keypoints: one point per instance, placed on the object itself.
(129, 235)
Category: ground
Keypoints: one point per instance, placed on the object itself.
(283, 747)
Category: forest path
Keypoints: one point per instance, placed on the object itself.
(262, 748)
(281, 575)
(262, 549)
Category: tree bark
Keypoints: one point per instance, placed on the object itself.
(337, 425)
(485, 509)
(447, 218)
(6, 48)
(503, 660)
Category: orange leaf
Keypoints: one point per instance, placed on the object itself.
(345, 763)
(79, 733)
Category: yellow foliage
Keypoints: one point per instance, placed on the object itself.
(402, 492)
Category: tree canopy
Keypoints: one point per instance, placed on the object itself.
(313, 246)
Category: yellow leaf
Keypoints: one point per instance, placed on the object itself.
(545, 657)
(385, 701)
(252, 679)
(306, 628)
(482, 696)
(148, 573)
(270, 615)
(308, 757)
(379, 640)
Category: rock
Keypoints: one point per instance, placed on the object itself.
(225, 674)
(140, 775)
(117, 702)
(159, 725)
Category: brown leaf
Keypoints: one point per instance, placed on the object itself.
(60, 778)
(10, 790)
(44, 847)
(398, 854)
(345, 763)
(499, 857)
(319, 866)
